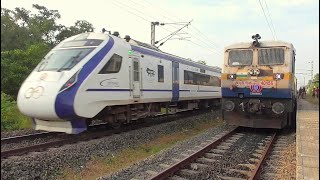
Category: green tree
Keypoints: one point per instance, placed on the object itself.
(20, 28)
(80, 26)
(17, 64)
(26, 38)
(13, 36)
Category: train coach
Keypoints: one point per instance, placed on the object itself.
(101, 76)
(259, 85)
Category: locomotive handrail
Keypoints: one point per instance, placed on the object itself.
(141, 84)
(130, 82)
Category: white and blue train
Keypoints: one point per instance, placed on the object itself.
(101, 76)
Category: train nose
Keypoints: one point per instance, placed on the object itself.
(37, 100)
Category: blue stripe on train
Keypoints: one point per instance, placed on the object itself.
(64, 104)
(150, 90)
(265, 93)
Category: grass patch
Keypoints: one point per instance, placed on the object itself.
(103, 166)
(313, 100)
(11, 118)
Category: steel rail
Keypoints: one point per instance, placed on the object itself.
(27, 136)
(92, 135)
(255, 172)
(176, 167)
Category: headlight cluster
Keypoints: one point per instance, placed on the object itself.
(278, 76)
(253, 72)
(232, 76)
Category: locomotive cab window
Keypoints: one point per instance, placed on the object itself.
(271, 56)
(240, 57)
(160, 73)
(113, 65)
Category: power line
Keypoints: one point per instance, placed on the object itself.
(175, 33)
(266, 19)
(205, 37)
(131, 11)
(134, 12)
(270, 18)
(143, 14)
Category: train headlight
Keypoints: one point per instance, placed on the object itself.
(278, 108)
(70, 82)
(228, 105)
(232, 76)
(251, 72)
(256, 72)
(278, 76)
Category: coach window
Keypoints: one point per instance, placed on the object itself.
(214, 81)
(188, 77)
(160, 74)
(113, 65)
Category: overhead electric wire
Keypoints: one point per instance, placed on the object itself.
(133, 9)
(266, 19)
(175, 33)
(270, 18)
(132, 12)
(205, 37)
(140, 16)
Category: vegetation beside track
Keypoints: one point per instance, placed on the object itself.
(11, 118)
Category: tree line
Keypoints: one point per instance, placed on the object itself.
(25, 39)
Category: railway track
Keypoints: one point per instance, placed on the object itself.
(71, 139)
(200, 162)
(26, 137)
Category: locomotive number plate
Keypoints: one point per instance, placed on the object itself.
(249, 83)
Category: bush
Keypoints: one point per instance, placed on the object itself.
(11, 118)
(17, 64)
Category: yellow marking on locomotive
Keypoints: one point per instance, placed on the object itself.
(224, 76)
(287, 76)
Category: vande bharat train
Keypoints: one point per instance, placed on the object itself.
(259, 85)
(102, 76)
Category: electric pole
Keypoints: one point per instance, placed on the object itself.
(312, 70)
(153, 32)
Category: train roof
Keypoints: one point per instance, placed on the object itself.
(155, 51)
(146, 49)
(261, 44)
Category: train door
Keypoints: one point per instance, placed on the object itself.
(175, 81)
(136, 77)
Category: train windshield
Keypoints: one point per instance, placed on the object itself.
(272, 56)
(240, 57)
(63, 59)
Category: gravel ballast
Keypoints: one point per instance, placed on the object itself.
(238, 153)
(49, 164)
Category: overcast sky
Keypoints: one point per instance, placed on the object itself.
(216, 24)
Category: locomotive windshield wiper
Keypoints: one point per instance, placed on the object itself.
(42, 65)
(73, 60)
